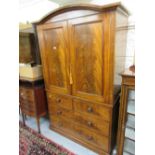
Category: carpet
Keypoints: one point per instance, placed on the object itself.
(33, 143)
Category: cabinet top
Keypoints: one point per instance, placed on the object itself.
(129, 72)
(92, 7)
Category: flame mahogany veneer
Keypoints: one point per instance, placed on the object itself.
(79, 45)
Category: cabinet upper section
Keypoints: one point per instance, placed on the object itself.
(77, 45)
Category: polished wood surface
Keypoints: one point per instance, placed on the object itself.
(92, 110)
(128, 84)
(93, 124)
(87, 56)
(82, 7)
(92, 138)
(62, 101)
(57, 57)
(32, 99)
(77, 47)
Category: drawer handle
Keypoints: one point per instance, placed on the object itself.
(90, 138)
(90, 109)
(59, 112)
(49, 96)
(90, 124)
(58, 100)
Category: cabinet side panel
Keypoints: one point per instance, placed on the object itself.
(120, 46)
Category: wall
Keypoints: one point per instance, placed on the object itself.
(130, 49)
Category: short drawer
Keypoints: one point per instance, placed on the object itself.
(58, 100)
(27, 99)
(29, 112)
(62, 124)
(93, 110)
(96, 125)
(26, 93)
(27, 105)
(26, 90)
(56, 111)
(92, 138)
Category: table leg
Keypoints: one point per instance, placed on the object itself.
(38, 123)
(23, 117)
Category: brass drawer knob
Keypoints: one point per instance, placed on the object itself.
(90, 138)
(90, 109)
(90, 124)
(59, 112)
(49, 96)
(58, 100)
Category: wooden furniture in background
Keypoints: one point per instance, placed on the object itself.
(28, 48)
(126, 127)
(32, 99)
(81, 46)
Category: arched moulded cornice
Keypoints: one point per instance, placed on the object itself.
(81, 7)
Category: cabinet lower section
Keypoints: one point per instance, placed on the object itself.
(87, 123)
(76, 138)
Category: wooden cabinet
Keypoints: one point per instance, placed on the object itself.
(32, 99)
(79, 51)
(126, 130)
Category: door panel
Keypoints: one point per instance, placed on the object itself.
(87, 57)
(57, 57)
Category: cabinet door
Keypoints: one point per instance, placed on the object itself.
(87, 57)
(55, 56)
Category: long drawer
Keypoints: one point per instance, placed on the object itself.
(81, 133)
(97, 140)
(96, 125)
(92, 110)
(62, 124)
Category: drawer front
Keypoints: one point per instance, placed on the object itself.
(92, 138)
(26, 99)
(60, 112)
(29, 112)
(62, 124)
(26, 94)
(27, 105)
(96, 125)
(93, 110)
(26, 90)
(58, 100)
